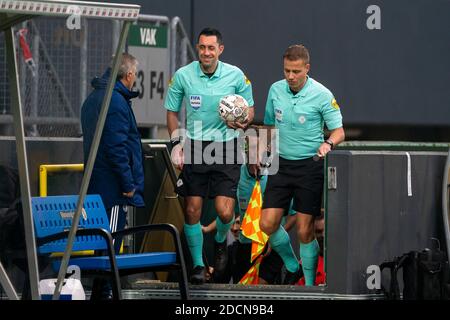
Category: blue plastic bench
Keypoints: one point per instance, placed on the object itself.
(53, 219)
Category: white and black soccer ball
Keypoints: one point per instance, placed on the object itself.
(233, 108)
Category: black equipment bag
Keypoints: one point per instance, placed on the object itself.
(425, 275)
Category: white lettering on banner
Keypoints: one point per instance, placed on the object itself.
(148, 36)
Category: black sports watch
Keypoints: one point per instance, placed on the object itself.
(175, 141)
(331, 143)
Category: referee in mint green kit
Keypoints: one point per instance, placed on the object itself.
(202, 84)
(298, 106)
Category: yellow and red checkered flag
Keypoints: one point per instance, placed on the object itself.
(252, 275)
(250, 229)
(250, 225)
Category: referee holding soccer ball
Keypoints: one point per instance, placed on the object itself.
(202, 84)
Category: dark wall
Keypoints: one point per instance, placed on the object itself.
(393, 76)
(371, 218)
(396, 75)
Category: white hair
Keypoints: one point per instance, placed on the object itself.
(127, 63)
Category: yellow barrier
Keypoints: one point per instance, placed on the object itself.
(43, 170)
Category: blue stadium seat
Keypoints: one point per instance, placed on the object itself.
(53, 219)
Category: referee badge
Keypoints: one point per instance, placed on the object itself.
(334, 104)
(247, 81)
(301, 119)
(195, 101)
(279, 115)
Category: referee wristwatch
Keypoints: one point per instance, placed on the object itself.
(175, 141)
(330, 142)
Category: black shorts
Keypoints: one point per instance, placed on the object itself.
(298, 179)
(210, 176)
(270, 268)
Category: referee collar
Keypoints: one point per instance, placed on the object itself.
(303, 91)
(216, 74)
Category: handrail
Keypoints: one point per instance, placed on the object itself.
(446, 202)
(162, 147)
(186, 49)
(45, 168)
(175, 25)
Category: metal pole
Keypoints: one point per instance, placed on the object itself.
(177, 26)
(6, 284)
(153, 18)
(154, 132)
(115, 34)
(22, 163)
(173, 44)
(91, 159)
(446, 202)
(22, 71)
(173, 58)
(83, 65)
(35, 85)
(183, 60)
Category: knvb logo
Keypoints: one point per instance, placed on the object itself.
(374, 20)
(374, 277)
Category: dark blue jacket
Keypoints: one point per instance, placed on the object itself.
(118, 167)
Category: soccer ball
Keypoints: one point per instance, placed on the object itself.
(233, 108)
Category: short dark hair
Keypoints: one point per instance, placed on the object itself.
(297, 52)
(211, 32)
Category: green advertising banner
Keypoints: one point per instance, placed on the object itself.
(147, 36)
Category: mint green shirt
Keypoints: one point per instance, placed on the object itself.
(300, 118)
(202, 95)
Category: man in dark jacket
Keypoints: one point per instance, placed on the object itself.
(118, 174)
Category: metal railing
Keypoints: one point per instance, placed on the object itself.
(127, 13)
(181, 53)
(46, 168)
